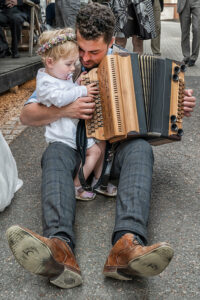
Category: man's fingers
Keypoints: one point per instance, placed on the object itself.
(191, 100)
(87, 104)
(188, 104)
(85, 117)
(187, 114)
(188, 92)
(85, 99)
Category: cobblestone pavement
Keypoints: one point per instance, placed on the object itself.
(12, 128)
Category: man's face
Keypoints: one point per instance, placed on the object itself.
(92, 52)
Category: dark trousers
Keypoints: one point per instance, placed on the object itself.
(66, 11)
(133, 163)
(190, 16)
(50, 14)
(12, 18)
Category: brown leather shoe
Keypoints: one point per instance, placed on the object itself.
(128, 258)
(52, 258)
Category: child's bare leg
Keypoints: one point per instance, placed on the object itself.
(111, 189)
(99, 165)
(137, 44)
(92, 156)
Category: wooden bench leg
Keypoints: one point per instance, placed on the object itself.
(31, 31)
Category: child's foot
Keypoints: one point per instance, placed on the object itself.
(83, 195)
(111, 190)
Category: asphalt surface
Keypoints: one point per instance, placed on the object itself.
(174, 217)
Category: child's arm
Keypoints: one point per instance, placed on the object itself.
(50, 93)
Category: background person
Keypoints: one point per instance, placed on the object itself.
(189, 13)
(66, 11)
(155, 43)
(13, 13)
(50, 14)
(133, 19)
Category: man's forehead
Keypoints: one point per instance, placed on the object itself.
(91, 45)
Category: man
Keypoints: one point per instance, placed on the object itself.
(4, 48)
(155, 43)
(53, 255)
(189, 12)
(13, 13)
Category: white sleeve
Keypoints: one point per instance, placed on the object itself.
(49, 93)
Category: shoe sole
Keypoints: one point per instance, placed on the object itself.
(36, 257)
(106, 193)
(150, 264)
(153, 263)
(85, 199)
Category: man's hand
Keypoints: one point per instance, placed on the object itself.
(11, 3)
(82, 108)
(188, 103)
(36, 114)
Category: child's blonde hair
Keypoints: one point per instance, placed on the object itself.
(57, 43)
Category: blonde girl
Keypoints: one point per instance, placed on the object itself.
(59, 52)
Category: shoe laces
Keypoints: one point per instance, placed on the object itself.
(137, 241)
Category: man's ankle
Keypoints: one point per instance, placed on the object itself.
(121, 233)
(64, 237)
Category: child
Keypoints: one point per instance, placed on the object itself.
(55, 86)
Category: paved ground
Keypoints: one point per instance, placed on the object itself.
(174, 216)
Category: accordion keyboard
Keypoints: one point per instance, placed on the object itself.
(97, 119)
(180, 114)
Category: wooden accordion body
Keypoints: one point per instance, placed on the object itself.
(140, 96)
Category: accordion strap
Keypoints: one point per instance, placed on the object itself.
(81, 142)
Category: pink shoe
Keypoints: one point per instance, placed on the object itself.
(83, 195)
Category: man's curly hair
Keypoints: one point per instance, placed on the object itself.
(95, 20)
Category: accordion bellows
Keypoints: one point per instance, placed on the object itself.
(140, 96)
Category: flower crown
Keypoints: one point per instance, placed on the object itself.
(60, 39)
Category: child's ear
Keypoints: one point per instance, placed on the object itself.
(49, 62)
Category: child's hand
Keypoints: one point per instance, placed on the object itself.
(92, 89)
(80, 78)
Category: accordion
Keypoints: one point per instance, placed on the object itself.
(139, 96)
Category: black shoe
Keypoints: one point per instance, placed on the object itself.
(5, 53)
(8, 52)
(185, 61)
(15, 55)
(191, 63)
(2, 54)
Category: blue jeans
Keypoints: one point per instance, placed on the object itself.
(133, 163)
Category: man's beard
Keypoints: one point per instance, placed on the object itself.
(88, 68)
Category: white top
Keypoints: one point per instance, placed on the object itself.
(58, 92)
(9, 181)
